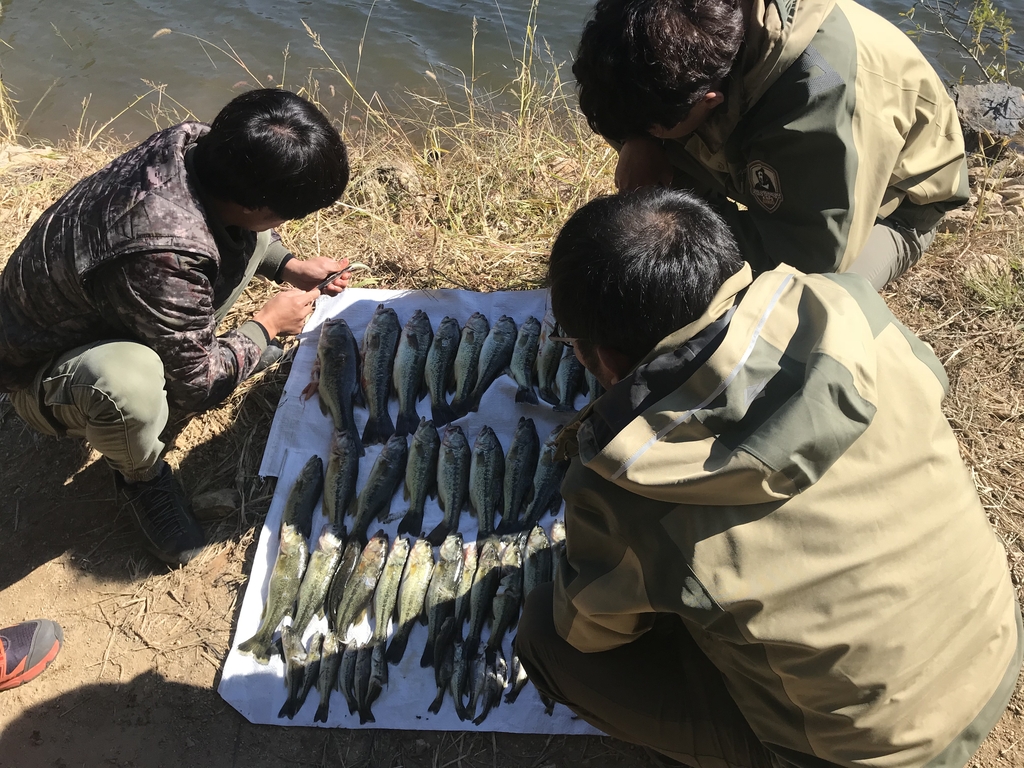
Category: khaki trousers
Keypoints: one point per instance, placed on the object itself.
(112, 394)
(891, 249)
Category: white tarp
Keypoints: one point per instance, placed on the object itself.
(301, 430)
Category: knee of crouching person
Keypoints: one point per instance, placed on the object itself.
(536, 624)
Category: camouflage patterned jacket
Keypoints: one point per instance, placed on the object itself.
(780, 475)
(132, 253)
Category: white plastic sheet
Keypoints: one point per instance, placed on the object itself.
(301, 430)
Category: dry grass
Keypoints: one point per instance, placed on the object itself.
(464, 191)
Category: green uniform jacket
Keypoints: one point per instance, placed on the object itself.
(779, 474)
(833, 119)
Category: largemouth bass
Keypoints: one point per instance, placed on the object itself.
(285, 580)
(549, 354)
(330, 662)
(347, 677)
(410, 361)
(385, 598)
(481, 595)
(467, 360)
(412, 593)
(349, 559)
(361, 584)
(509, 595)
(520, 467)
(342, 472)
(524, 360)
(460, 680)
(303, 496)
(452, 482)
(494, 682)
(336, 375)
(440, 600)
(568, 381)
(375, 498)
(420, 476)
(444, 665)
(440, 370)
(536, 561)
(323, 563)
(380, 342)
(462, 594)
(495, 357)
(486, 473)
(547, 481)
(557, 539)
(364, 662)
(305, 675)
(517, 676)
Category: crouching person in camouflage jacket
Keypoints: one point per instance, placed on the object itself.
(110, 305)
(775, 555)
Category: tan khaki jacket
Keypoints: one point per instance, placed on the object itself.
(779, 474)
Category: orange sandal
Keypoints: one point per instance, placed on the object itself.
(26, 650)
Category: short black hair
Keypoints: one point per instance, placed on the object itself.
(628, 270)
(643, 63)
(271, 148)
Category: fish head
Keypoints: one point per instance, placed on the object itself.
(377, 545)
(451, 547)
(329, 540)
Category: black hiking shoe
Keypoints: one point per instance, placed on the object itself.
(164, 516)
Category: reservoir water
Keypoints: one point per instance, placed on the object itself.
(56, 55)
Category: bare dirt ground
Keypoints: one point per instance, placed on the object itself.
(135, 686)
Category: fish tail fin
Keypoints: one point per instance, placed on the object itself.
(564, 408)
(437, 536)
(526, 395)
(321, 712)
(378, 429)
(549, 705)
(435, 705)
(427, 659)
(412, 523)
(257, 647)
(441, 413)
(396, 650)
(407, 423)
(288, 710)
(366, 716)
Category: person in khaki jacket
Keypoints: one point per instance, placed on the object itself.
(818, 116)
(775, 555)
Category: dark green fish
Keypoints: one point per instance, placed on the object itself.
(452, 482)
(494, 681)
(524, 360)
(536, 560)
(342, 472)
(385, 598)
(520, 467)
(285, 580)
(547, 481)
(517, 676)
(481, 595)
(380, 342)
(462, 594)
(330, 661)
(440, 600)
(549, 354)
(467, 361)
(420, 476)
(486, 474)
(353, 551)
(495, 357)
(412, 594)
(509, 595)
(303, 496)
(568, 381)
(375, 498)
(347, 677)
(440, 370)
(410, 361)
(364, 670)
(444, 667)
(323, 563)
(302, 678)
(362, 583)
(336, 375)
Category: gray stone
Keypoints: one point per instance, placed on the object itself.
(214, 505)
(993, 108)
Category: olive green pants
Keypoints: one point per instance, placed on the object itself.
(891, 249)
(660, 690)
(112, 394)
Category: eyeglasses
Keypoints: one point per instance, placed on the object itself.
(560, 336)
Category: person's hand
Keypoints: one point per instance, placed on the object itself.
(308, 273)
(643, 162)
(286, 312)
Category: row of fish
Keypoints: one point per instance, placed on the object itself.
(415, 360)
(523, 485)
(346, 582)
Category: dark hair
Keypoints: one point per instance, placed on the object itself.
(628, 270)
(270, 148)
(643, 63)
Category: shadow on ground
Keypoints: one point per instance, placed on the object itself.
(148, 722)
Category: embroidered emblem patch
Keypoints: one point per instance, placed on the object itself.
(764, 185)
